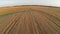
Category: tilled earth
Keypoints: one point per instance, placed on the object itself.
(30, 22)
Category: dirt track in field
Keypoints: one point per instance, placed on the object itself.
(32, 22)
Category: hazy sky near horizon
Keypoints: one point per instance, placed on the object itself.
(29, 2)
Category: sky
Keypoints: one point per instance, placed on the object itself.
(4, 3)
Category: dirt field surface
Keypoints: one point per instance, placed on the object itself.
(30, 20)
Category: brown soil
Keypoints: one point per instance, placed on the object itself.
(32, 21)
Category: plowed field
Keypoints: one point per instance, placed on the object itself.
(30, 22)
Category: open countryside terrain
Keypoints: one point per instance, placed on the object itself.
(30, 20)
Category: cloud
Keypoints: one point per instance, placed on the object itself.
(29, 2)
